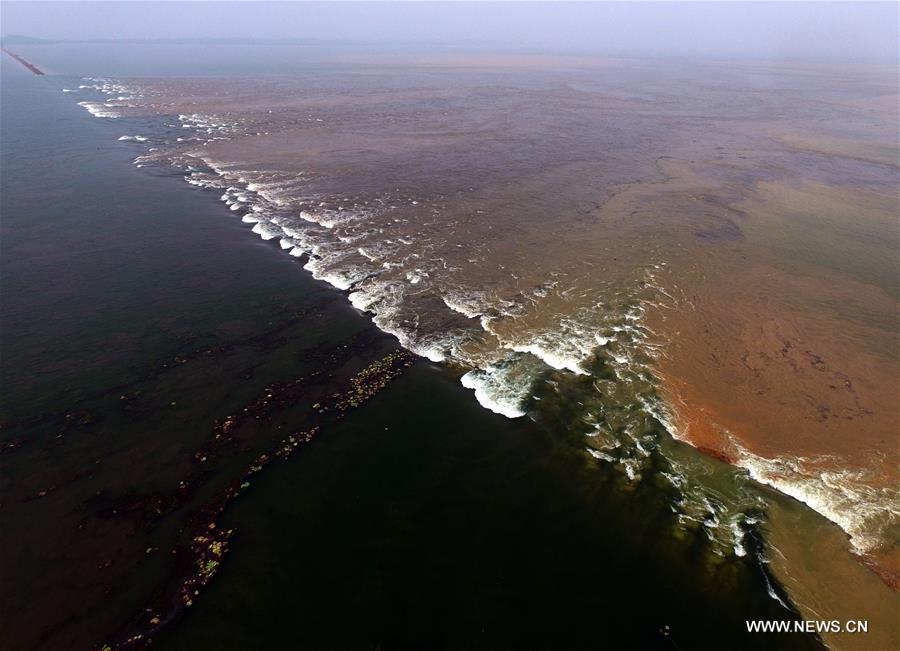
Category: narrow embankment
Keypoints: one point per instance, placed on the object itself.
(25, 63)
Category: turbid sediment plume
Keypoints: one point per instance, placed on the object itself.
(702, 250)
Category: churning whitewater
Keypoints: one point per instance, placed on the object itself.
(487, 259)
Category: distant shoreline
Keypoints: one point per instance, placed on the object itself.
(25, 63)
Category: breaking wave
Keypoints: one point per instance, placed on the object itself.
(594, 362)
(846, 496)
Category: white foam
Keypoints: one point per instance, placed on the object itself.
(385, 300)
(266, 231)
(551, 356)
(490, 394)
(843, 495)
(504, 385)
(738, 534)
(334, 278)
(471, 306)
(598, 454)
(316, 218)
(99, 109)
(362, 300)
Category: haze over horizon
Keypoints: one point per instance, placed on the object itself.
(841, 31)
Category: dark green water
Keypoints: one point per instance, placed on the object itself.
(136, 312)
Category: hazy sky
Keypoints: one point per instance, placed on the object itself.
(838, 30)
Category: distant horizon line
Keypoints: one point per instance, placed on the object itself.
(7, 40)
